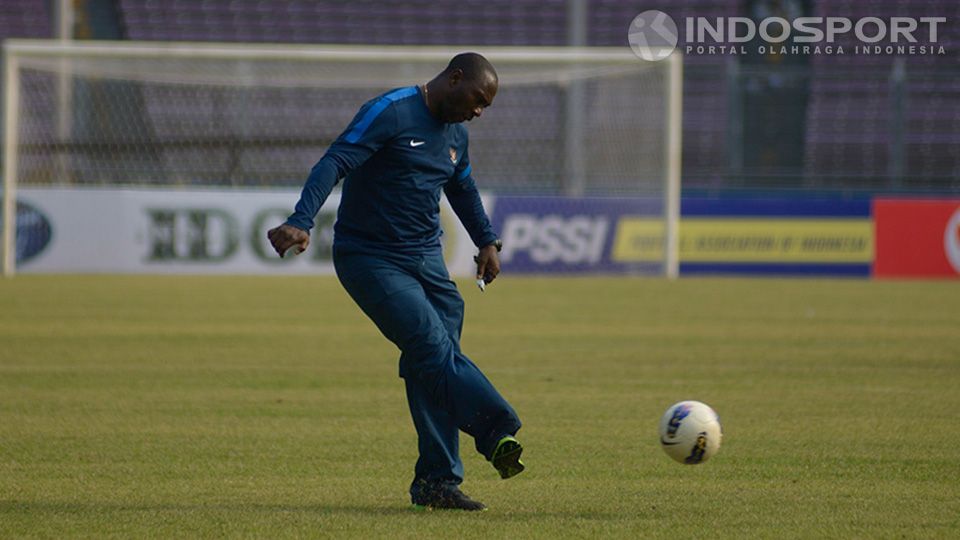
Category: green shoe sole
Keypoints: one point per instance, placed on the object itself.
(506, 458)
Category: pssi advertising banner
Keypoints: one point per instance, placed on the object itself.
(917, 238)
(716, 236)
(561, 234)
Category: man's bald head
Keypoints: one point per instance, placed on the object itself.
(463, 89)
(473, 66)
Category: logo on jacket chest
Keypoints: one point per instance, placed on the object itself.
(422, 144)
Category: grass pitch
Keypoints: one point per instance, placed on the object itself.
(270, 407)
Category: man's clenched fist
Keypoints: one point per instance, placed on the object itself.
(286, 236)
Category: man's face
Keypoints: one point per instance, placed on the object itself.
(468, 98)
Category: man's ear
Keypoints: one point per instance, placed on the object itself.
(455, 77)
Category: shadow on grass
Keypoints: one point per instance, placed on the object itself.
(11, 507)
(74, 507)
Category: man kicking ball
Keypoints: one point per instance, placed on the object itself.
(395, 157)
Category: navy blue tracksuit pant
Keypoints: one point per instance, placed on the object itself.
(415, 305)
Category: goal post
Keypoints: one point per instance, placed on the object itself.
(672, 169)
(570, 123)
(11, 139)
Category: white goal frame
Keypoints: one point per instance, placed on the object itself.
(17, 49)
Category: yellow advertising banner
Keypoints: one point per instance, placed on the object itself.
(812, 240)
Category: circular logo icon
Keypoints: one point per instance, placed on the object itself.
(33, 232)
(652, 35)
(951, 241)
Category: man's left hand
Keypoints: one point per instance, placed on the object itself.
(488, 263)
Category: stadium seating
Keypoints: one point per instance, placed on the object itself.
(25, 19)
(361, 22)
(853, 132)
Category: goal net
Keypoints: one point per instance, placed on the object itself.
(572, 128)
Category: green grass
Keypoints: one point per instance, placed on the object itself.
(270, 407)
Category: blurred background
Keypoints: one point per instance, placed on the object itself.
(833, 122)
(838, 127)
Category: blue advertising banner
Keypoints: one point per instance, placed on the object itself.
(562, 234)
(716, 236)
(775, 207)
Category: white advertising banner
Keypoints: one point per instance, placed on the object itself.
(189, 231)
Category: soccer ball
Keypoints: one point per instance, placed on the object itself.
(690, 432)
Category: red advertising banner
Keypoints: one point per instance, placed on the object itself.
(917, 237)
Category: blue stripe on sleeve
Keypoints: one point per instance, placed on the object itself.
(361, 127)
(465, 173)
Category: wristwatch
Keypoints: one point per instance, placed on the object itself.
(498, 243)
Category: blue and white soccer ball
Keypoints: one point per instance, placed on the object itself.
(690, 432)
